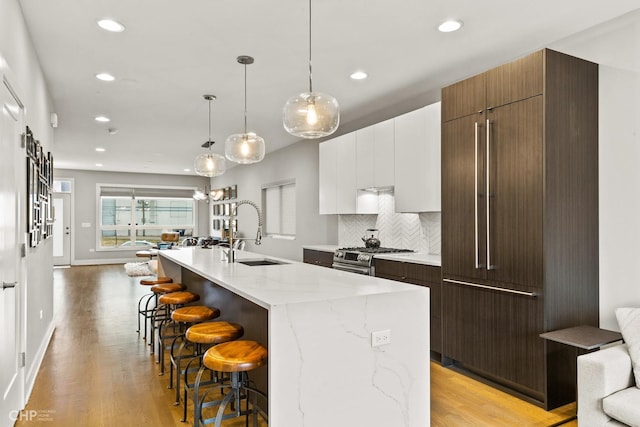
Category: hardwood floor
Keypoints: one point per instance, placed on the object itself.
(98, 371)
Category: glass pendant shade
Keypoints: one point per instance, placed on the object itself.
(244, 148)
(210, 164)
(247, 147)
(311, 115)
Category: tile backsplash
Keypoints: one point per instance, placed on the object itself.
(419, 232)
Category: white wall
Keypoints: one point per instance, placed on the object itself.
(300, 162)
(35, 275)
(616, 47)
(84, 209)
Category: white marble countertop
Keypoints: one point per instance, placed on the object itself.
(323, 248)
(273, 285)
(412, 257)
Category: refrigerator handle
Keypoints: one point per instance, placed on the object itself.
(488, 196)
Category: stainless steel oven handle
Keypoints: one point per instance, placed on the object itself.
(352, 269)
(492, 288)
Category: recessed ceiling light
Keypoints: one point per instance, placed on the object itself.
(111, 25)
(449, 26)
(105, 77)
(102, 119)
(187, 170)
(358, 75)
(99, 165)
(100, 150)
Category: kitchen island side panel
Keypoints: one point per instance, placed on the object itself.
(324, 371)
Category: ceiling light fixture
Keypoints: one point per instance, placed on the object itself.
(209, 164)
(102, 119)
(311, 114)
(105, 77)
(100, 150)
(358, 75)
(247, 147)
(450, 26)
(111, 25)
(99, 165)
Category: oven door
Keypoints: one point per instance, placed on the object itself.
(353, 268)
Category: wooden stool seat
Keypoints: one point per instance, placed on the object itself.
(235, 356)
(167, 287)
(214, 332)
(178, 298)
(147, 253)
(194, 313)
(156, 281)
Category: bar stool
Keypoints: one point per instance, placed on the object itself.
(202, 336)
(170, 301)
(185, 316)
(160, 313)
(236, 358)
(146, 313)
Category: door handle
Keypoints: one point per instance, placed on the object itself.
(475, 132)
(6, 285)
(488, 201)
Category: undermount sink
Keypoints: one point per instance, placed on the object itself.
(255, 262)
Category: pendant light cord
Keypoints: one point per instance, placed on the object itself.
(245, 98)
(209, 142)
(310, 72)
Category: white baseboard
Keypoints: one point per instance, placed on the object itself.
(32, 373)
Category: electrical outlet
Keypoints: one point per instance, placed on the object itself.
(379, 338)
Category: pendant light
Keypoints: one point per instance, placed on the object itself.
(247, 147)
(311, 114)
(209, 164)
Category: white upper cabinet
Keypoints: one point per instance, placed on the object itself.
(417, 160)
(327, 178)
(375, 153)
(346, 173)
(337, 175)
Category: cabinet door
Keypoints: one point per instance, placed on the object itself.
(463, 98)
(321, 258)
(365, 158)
(346, 174)
(496, 333)
(417, 160)
(515, 81)
(515, 183)
(383, 136)
(463, 186)
(328, 151)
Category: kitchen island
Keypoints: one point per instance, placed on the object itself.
(321, 324)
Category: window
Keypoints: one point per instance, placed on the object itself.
(279, 207)
(134, 217)
(62, 186)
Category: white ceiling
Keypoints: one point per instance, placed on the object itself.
(173, 52)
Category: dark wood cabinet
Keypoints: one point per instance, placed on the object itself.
(321, 258)
(423, 275)
(519, 219)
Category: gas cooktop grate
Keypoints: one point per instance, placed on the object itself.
(375, 250)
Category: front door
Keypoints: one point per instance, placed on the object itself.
(61, 229)
(11, 372)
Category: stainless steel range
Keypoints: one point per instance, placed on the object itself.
(360, 260)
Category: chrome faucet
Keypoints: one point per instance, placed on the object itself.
(232, 253)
